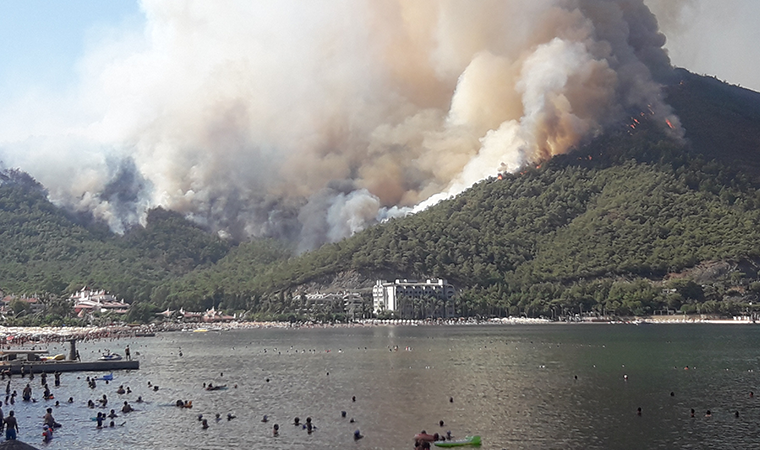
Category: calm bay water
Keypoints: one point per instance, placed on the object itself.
(513, 385)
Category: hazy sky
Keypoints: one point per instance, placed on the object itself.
(713, 37)
(43, 42)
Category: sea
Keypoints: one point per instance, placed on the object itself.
(558, 386)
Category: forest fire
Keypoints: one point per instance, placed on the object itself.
(669, 124)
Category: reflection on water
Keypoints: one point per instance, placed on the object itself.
(514, 385)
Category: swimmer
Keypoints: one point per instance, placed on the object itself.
(296, 421)
(49, 420)
(111, 425)
(638, 411)
(47, 433)
(451, 399)
(121, 390)
(218, 417)
(126, 408)
(139, 399)
(265, 419)
(692, 412)
(343, 414)
(353, 399)
(708, 413)
(309, 426)
(441, 423)
(672, 394)
(230, 416)
(736, 414)
(204, 424)
(112, 414)
(357, 435)
(276, 430)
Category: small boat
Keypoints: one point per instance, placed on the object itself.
(200, 330)
(108, 377)
(469, 440)
(58, 357)
(216, 388)
(110, 357)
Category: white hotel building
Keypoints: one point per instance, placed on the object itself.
(386, 294)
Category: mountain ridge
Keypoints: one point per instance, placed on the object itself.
(620, 213)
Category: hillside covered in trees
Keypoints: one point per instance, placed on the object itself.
(625, 224)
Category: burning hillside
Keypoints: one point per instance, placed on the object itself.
(311, 121)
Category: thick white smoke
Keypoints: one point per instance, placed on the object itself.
(313, 120)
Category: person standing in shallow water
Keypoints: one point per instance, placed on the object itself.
(11, 427)
(127, 354)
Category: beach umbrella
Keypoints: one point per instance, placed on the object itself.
(16, 445)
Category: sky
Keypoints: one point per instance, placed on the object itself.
(44, 42)
(311, 120)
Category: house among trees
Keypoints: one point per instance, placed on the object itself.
(211, 315)
(14, 303)
(89, 301)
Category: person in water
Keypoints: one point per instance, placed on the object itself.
(276, 430)
(126, 408)
(204, 424)
(47, 433)
(49, 420)
(11, 427)
(121, 390)
(139, 399)
(27, 393)
(112, 414)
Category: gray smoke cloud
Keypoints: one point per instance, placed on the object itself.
(312, 120)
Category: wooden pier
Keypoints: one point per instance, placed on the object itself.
(33, 363)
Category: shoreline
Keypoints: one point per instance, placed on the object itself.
(16, 336)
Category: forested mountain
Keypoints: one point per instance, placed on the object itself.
(597, 229)
(43, 249)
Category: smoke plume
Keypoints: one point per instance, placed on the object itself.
(313, 120)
